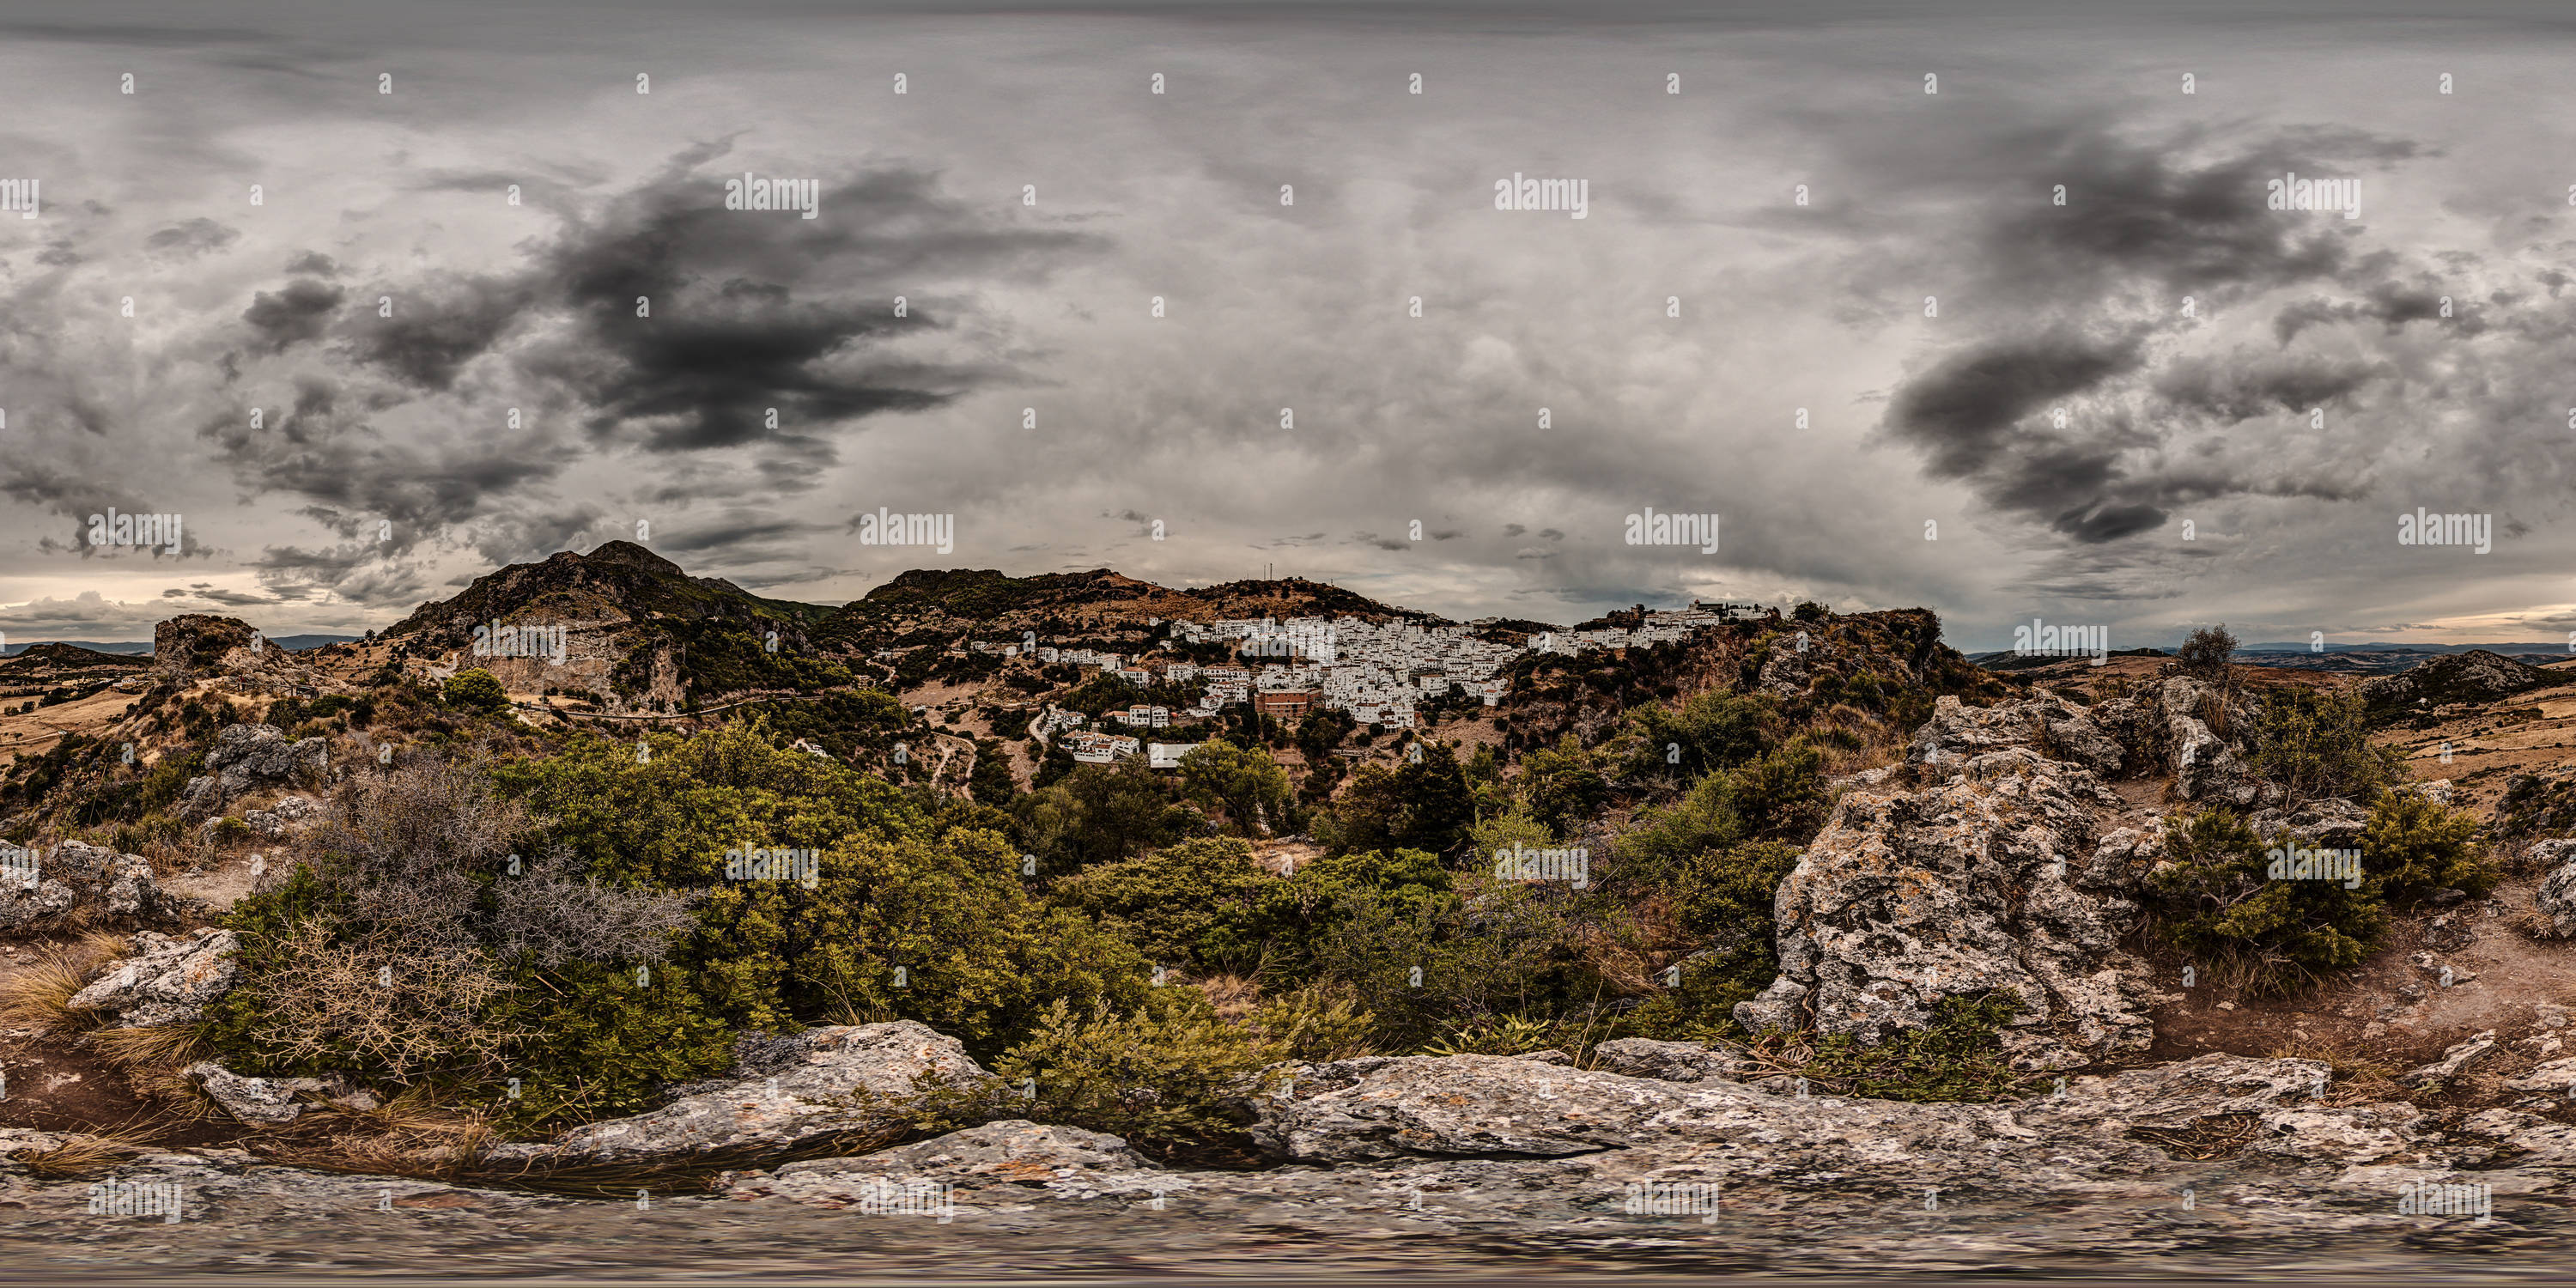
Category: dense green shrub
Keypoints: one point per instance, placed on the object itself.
(2217, 900)
(477, 691)
(1417, 805)
(2316, 743)
(2415, 845)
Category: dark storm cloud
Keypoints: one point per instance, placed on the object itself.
(354, 477)
(2236, 387)
(2096, 289)
(752, 310)
(195, 237)
(1967, 412)
(292, 315)
(434, 332)
(315, 263)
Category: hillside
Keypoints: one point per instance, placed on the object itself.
(639, 632)
(1083, 601)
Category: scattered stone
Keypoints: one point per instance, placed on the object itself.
(2454, 1060)
(168, 980)
(76, 876)
(1013, 1152)
(817, 1083)
(251, 755)
(1669, 1061)
(266, 1102)
(2556, 1075)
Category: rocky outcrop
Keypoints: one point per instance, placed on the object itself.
(1013, 1152)
(195, 647)
(2048, 724)
(167, 981)
(76, 876)
(1388, 1107)
(2001, 876)
(1671, 1061)
(249, 756)
(2474, 676)
(270, 1102)
(2326, 823)
(782, 1093)
(283, 817)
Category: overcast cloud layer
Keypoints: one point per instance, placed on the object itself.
(445, 381)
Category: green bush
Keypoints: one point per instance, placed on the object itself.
(2316, 743)
(1958, 1057)
(1423, 805)
(2216, 900)
(1162, 1075)
(2415, 845)
(1202, 904)
(476, 690)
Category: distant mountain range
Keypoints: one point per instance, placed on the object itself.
(291, 643)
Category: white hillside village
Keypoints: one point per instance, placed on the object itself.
(1377, 672)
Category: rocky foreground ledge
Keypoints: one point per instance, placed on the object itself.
(1430, 1163)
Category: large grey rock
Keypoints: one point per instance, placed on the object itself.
(2046, 724)
(262, 1102)
(1385, 1107)
(2330, 822)
(279, 819)
(254, 755)
(76, 876)
(2003, 875)
(168, 980)
(1669, 1061)
(1012, 1152)
(2556, 898)
(2455, 1059)
(790, 1090)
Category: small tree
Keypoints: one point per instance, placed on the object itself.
(477, 690)
(2209, 655)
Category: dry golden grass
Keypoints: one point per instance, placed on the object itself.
(1233, 996)
(2356, 1076)
(94, 1151)
(165, 1048)
(38, 996)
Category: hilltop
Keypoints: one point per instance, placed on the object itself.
(1096, 600)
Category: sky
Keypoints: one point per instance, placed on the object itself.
(415, 353)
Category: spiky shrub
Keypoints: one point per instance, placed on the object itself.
(2216, 901)
(476, 690)
(1168, 1076)
(1959, 1056)
(2317, 743)
(2415, 845)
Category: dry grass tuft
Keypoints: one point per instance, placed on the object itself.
(39, 995)
(94, 1151)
